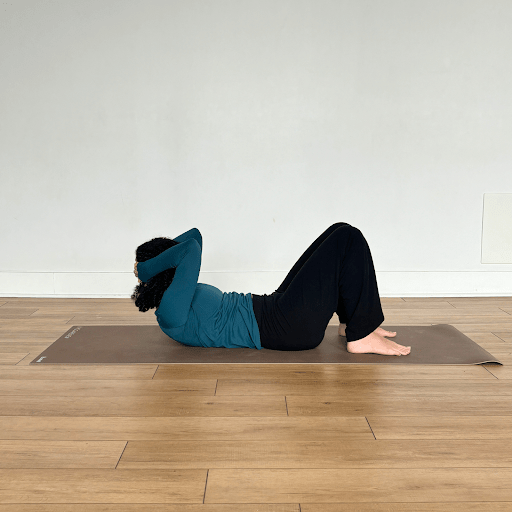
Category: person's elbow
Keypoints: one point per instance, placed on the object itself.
(198, 237)
(194, 246)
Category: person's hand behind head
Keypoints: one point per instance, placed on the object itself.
(135, 271)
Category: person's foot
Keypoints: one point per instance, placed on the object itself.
(376, 343)
(383, 332)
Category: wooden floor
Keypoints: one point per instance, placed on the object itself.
(247, 438)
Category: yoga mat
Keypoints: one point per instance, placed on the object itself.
(136, 344)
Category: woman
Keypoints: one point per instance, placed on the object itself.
(335, 274)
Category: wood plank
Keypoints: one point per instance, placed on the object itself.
(477, 307)
(42, 302)
(13, 313)
(265, 507)
(58, 301)
(45, 313)
(29, 339)
(501, 302)
(107, 485)
(408, 300)
(362, 390)
(475, 506)
(107, 388)
(28, 358)
(505, 336)
(22, 346)
(12, 357)
(499, 352)
(94, 309)
(496, 349)
(34, 323)
(492, 326)
(172, 405)
(51, 333)
(437, 315)
(500, 372)
(51, 310)
(320, 371)
(388, 406)
(358, 485)
(183, 428)
(440, 306)
(484, 337)
(440, 427)
(73, 372)
(470, 300)
(441, 316)
(408, 306)
(157, 507)
(342, 453)
(357, 389)
(48, 331)
(60, 454)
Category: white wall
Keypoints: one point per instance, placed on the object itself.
(260, 122)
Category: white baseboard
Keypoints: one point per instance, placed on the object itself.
(121, 284)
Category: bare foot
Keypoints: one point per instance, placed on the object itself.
(382, 332)
(376, 343)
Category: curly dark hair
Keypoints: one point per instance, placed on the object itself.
(148, 295)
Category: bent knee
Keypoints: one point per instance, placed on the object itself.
(339, 225)
(347, 228)
(346, 232)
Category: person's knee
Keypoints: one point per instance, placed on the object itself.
(352, 230)
(345, 226)
(347, 229)
(357, 237)
(339, 225)
(346, 233)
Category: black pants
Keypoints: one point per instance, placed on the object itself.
(335, 274)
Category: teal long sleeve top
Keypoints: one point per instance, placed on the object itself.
(199, 314)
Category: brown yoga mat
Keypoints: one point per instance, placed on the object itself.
(136, 344)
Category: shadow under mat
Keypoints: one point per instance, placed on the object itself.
(138, 344)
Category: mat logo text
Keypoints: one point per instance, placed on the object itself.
(72, 332)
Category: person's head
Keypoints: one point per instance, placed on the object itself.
(148, 295)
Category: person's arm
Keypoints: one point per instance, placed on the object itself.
(176, 300)
(191, 233)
